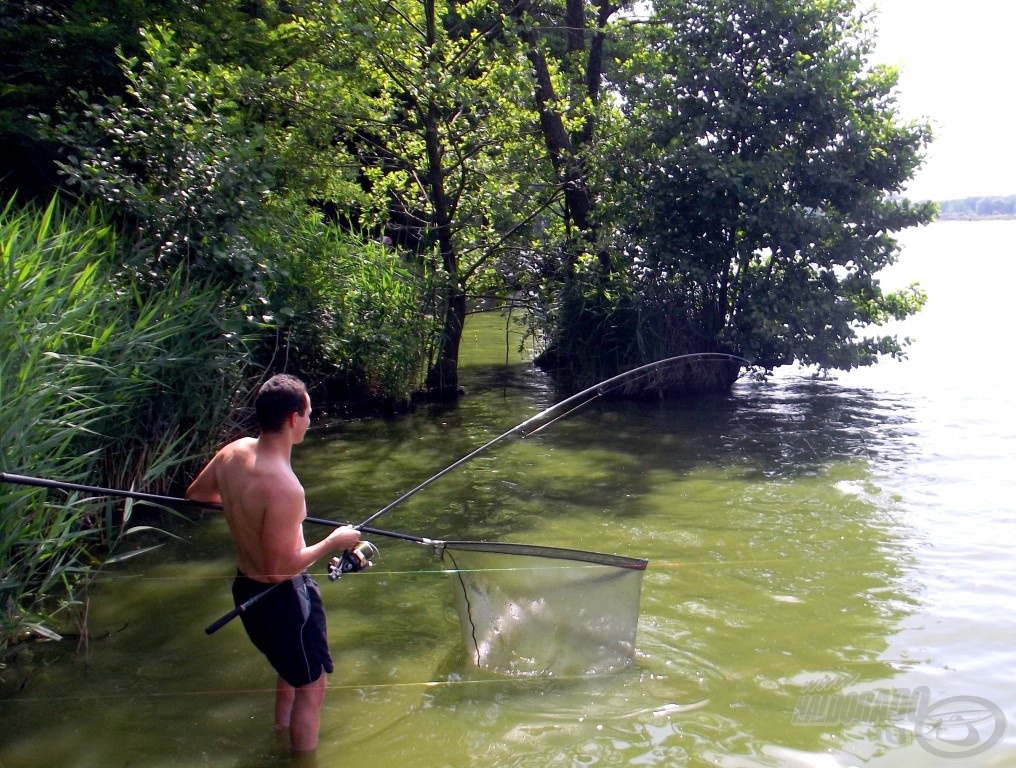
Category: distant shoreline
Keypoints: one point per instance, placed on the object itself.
(974, 217)
(985, 208)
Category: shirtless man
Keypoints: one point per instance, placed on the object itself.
(264, 506)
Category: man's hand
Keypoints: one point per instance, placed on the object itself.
(343, 538)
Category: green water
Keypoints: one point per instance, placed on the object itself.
(806, 539)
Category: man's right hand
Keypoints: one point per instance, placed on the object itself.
(343, 538)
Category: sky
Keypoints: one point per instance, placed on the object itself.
(958, 62)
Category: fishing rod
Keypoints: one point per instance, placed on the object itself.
(546, 417)
(354, 560)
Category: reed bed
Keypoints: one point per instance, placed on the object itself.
(99, 382)
(124, 379)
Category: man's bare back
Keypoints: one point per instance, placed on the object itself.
(262, 499)
(264, 503)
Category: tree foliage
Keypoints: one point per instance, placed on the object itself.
(176, 158)
(566, 46)
(715, 176)
(186, 162)
(50, 51)
(428, 102)
(763, 187)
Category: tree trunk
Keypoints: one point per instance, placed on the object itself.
(443, 377)
(566, 151)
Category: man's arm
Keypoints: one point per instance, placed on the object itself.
(283, 546)
(206, 485)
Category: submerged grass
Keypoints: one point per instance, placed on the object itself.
(98, 380)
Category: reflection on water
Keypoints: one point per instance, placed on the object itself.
(830, 581)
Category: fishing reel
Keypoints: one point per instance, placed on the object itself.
(352, 560)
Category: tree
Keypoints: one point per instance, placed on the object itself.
(183, 164)
(436, 124)
(50, 51)
(565, 47)
(179, 162)
(46, 51)
(572, 47)
(766, 190)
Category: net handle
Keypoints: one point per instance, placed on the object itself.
(174, 501)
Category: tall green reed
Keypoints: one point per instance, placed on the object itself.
(99, 383)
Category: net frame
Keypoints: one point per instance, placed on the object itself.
(538, 550)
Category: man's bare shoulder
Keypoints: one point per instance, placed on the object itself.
(263, 470)
(239, 457)
(220, 476)
(244, 446)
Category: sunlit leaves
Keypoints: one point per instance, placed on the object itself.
(177, 158)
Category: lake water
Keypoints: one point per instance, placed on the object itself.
(831, 581)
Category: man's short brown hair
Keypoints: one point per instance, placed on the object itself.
(277, 398)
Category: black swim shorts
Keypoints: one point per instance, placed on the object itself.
(287, 625)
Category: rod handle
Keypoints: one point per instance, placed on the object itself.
(222, 621)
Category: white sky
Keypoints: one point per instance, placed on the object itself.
(958, 63)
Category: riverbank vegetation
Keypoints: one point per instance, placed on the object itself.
(98, 379)
(201, 194)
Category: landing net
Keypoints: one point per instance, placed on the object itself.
(528, 610)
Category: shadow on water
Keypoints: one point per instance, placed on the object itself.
(775, 565)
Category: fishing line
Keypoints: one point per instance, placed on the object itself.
(179, 501)
(271, 690)
(108, 579)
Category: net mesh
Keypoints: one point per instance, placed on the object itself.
(543, 611)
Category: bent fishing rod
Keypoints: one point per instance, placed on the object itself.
(527, 428)
(558, 411)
